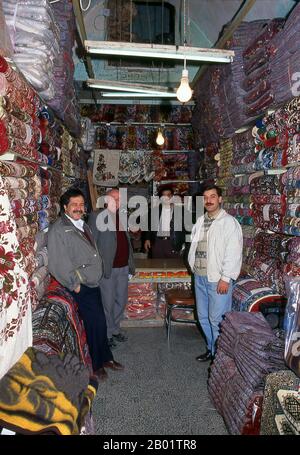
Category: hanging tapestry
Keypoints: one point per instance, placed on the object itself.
(15, 300)
(106, 167)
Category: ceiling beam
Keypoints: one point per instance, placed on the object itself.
(161, 51)
(83, 36)
(228, 32)
(125, 86)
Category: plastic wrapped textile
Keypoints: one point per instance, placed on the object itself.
(139, 311)
(32, 27)
(272, 408)
(6, 48)
(292, 326)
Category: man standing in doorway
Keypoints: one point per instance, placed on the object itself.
(215, 257)
(74, 261)
(165, 242)
(117, 254)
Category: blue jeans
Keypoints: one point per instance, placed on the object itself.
(210, 308)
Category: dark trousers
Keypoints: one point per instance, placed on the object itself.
(163, 249)
(91, 311)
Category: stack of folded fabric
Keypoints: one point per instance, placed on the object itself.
(291, 187)
(257, 67)
(285, 57)
(248, 246)
(64, 101)
(226, 154)
(237, 200)
(35, 35)
(141, 301)
(137, 113)
(19, 103)
(243, 153)
(210, 168)
(57, 394)
(281, 404)
(220, 108)
(268, 202)
(266, 261)
(24, 190)
(247, 351)
(206, 118)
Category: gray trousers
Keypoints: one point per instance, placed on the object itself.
(114, 293)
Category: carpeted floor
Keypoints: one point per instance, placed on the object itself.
(161, 391)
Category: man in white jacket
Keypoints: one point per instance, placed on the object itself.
(215, 257)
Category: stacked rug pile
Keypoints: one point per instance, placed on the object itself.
(247, 351)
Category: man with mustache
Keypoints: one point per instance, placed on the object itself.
(75, 262)
(215, 257)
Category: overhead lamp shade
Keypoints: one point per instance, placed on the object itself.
(160, 140)
(184, 92)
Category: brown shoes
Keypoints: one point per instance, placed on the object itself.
(101, 374)
(113, 365)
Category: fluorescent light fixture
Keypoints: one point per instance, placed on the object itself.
(125, 87)
(113, 48)
(138, 95)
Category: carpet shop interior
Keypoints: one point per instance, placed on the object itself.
(150, 97)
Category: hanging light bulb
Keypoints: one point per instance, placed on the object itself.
(160, 140)
(184, 92)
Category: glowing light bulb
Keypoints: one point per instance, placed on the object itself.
(184, 92)
(160, 140)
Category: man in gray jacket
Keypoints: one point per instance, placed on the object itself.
(114, 245)
(75, 262)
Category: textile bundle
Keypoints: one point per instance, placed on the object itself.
(141, 301)
(142, 137)
(137, 113)
(292, 326)
(35, 36)
(220, 108)
(247, 351)
(249, 294)
(281, 405)
(291, 220)
(56, 394)
(57, 327)
(257, 68)
(64, 101)
(285, 57)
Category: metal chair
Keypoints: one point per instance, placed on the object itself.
(179, 299)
